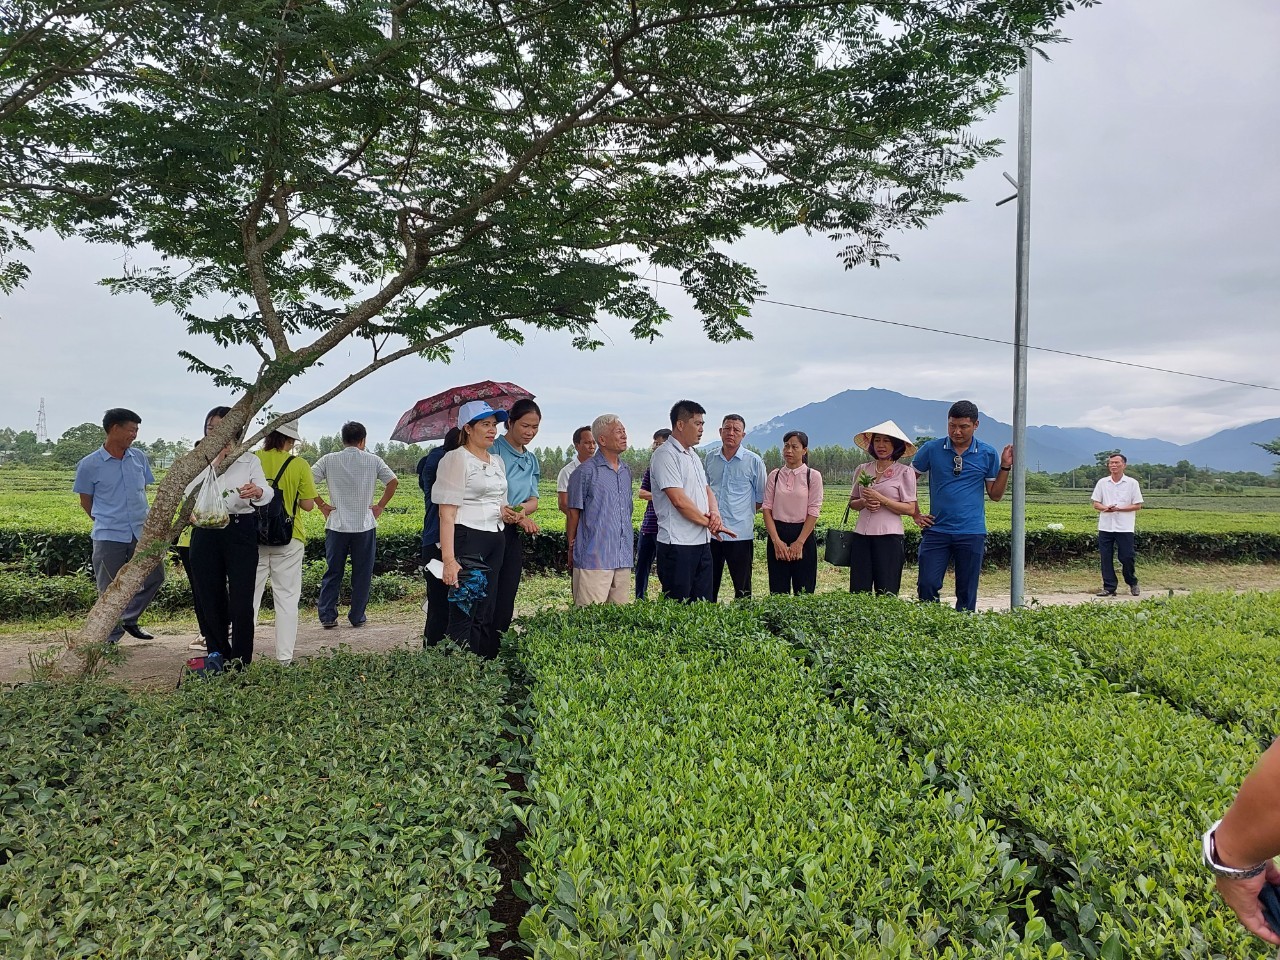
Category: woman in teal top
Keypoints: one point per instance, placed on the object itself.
(523, 473)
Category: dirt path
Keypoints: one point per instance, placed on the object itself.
(157, 664)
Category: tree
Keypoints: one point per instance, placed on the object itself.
(77, 443)
(1272, 447)
(402, 173)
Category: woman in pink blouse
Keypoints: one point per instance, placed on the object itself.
(877, 553)
(792, 502)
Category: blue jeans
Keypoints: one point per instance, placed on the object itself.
(1109, 544)
(361, 547)
(936, 551)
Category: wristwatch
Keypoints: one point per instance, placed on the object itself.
(1221, 869)
(1005, 469)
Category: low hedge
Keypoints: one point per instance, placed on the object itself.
(56, 554)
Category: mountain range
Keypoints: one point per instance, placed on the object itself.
(1051, 449)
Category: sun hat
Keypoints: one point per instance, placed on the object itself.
(289, 430)
(474, 410)
(886, 429)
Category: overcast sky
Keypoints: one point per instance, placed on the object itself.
(1155, 240)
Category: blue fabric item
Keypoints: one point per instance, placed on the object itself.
(738, 485)
(605, 539)
(119, 491)
(471, 588)
(427, 468)
(958, 504)
(523, 471)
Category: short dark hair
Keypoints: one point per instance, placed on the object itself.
(684, 409)
(522, 408)
(353, 433)
(662, 434)
(218, 412)
(734, 416)
(452, 439)
(899, 446)
(118, 415)
(1122, 457)
(963, 410)
(577, 434)
(802, 437)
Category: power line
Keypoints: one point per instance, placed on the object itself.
(1006, 343)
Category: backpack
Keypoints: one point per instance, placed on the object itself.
(275, 526)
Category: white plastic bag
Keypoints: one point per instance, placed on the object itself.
(210, 511)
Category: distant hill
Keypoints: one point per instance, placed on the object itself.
(1054, 449)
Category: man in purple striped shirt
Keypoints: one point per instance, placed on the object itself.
(601, 538)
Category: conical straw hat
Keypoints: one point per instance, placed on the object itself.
(887, 429)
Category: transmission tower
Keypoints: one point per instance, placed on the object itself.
(42, 426)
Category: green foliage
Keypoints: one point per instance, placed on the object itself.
(340, 807)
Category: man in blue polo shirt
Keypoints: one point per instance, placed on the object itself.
(961, 469)
(112, 483)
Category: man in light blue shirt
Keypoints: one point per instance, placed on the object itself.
(737, 478)
(112, 483)
(598, 523)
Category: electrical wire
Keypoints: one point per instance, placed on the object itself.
(1007, 343)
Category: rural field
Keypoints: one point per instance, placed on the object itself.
(819, 777)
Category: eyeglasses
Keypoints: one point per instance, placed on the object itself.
(957, 466)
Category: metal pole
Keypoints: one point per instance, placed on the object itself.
(1018, 533)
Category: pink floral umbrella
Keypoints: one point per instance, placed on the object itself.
(431, 418)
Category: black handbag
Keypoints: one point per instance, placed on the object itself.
(839, 544)
(275, 525)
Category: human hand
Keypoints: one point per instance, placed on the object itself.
(377, 509)
(924, 520)
(450, 573)
(511, 515)
(326, 509)
(250, 491)
(1006, 456)
(527, 524)
(1242, 897)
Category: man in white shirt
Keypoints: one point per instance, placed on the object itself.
(584, 444)
(686, 507)
(350, 523)
(1117, 499)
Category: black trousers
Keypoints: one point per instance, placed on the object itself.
(184, 554)
(1110, 544)
(685, 571)
(737, 556)
(646, 550)
(875, 563)
(792, 576)
(475, 629)
(437, 624)
(224, 564)
(508, 579)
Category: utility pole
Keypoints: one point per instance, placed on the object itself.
(1022, 186)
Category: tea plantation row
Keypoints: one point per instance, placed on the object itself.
(828, 776)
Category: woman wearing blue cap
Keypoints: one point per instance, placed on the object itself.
(471, 492)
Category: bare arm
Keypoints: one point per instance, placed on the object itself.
(562, 501)
(1250, 834)
(448, 519)
(686, 507)
(86, 504)
(995, 488)
(388, 492)
(571, 528)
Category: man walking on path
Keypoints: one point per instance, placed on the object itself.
(737, 477)
(112, 483)
(961, 469)
(598, 525)
(584, 445)
(686, 508)
(351, 525)
(1117, 499)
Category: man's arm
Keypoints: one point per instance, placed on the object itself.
(571, 528)
(995, 488)
(86, 504)
(388, 492)
(1250, 834)
(562, 501)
